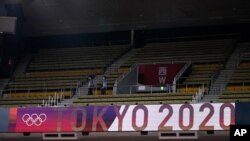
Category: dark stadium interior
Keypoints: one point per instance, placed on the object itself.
(120, 55)
(43, 17)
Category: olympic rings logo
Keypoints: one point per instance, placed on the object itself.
(34, 119)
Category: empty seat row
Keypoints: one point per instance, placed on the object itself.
(159, 98)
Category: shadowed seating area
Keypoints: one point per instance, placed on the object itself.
(206, 57)
(60, 70)
(238, 88)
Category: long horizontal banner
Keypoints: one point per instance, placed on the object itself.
(204, 116)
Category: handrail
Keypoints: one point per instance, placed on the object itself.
(158, 88)
(114, 65)
(53, 101)
(198, 95)
(178, 75)
(125, 74)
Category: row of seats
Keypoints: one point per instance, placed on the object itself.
(200, 75)
(241, 74)
(207, 57)
(238, 88)
(63, 69)
(40, 95)
(190, 89)
(233, 96)
(156, 98)
(31, 99)
(76, 58)
(195, 51)
(66, 79)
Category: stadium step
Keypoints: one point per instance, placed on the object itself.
(210, 98)
(22, 65)
(81, 91)
(220, 84)
(3, 83)
(118, 63)
(225, 74)
(66, 102)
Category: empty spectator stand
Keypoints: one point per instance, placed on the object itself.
(207, 57)
(76, 58)
(200, 74)
(238, 88)
(202, 51)
(61, 70)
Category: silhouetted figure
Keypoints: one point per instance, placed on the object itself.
(90, 85)
(104, 85)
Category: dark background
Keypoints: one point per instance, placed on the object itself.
(64, 23)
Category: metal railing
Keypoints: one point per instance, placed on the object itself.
(125, 74)
(180, 73)
(133, 89)
(151, 89)
(53, 101)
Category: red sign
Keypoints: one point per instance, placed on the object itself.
(158, 74)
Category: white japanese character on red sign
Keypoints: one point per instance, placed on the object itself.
(162, 71)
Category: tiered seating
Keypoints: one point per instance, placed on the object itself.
(201, 74)
(239, 85)
(195, 51)
(31, 99)
(37, 95)
(20, 102)
(61, 70)
(238, 95)
(241, 74)
(206, 57)
(111, 78)
(76, 58)
(52, 80)
(123, 99)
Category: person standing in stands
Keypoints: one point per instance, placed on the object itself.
(104, 85)
(90, 86)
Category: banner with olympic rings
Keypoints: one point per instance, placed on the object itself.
(165, 117)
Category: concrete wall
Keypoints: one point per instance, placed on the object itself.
(127, 84)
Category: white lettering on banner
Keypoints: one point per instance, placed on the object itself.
(177, 117)
(162, 80)
(162, 74)
(162, 71)
(162, 117)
